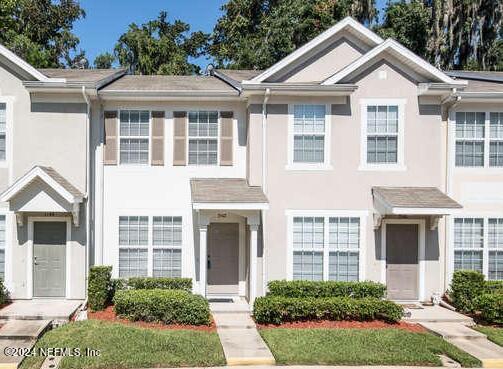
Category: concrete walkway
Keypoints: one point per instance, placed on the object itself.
(238, 334)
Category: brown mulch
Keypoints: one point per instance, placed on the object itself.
(109, 315)
(376, 324)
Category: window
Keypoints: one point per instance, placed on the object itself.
(326, 248)
(2, 246)
(133, 246)
(134, 136)
(468, 243)
(3, 131)
(309, 133)
(167, 240)
(382, 134)
(496, 139)
(203, 137)
(495, 234)
(470, 133)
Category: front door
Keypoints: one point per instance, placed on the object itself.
(223, 259)
(402, 245)
(49, 259)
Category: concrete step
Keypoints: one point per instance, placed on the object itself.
(437, 314)
(23, 329)
(225, 307)
(489, 353)
(244, 347)
(12, 361)
(453, 331)
(233, 320)
(56, 310)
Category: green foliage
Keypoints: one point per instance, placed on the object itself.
(490, 306)
(167, 306)
(275, 310)
(4, 294)
(150, 283)
(466, 286)
(98, 289)
(494, 286)
(326, 289)
(160, 47)
(104, 61)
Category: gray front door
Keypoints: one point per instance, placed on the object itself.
(402, 261)
(223, 258)
(49, 259)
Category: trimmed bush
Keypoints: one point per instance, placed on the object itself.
(150, 283)
(4, 294)
(466, 286)
(490, 306)
(161, 305)
(494, 287)
(326, 289)
(116, 284)
(98, 289)
(277, 309)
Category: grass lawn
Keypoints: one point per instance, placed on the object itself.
(493, 334)
(388, 346)
(123, 346)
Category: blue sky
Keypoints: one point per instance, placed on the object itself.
(106, 20)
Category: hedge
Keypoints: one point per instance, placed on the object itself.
(494, 286)
(150, 283)
(466, 287)
(98, 289)
(161, 305)
(326, 289)
(490, 306)
(277, 309)
(4, 294)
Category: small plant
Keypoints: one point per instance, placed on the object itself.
(4, 294)
(466, 287)
(490, 306)
(326, 289)
(98, 289)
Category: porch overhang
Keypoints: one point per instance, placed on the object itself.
(226, 194)
(421, 201)
(43, 190)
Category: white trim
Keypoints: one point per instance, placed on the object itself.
(230, 206)
(403, 51)
(27, 67)
(303, 166)
(400, 164)
(9, 134)
(29, 254)
(421, 257)
(349, 22)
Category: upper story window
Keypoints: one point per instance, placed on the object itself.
(382, 134)
(134, 136)
(470, 136)
(3, 131)
(496, 139)
(203, 138)
(309, 134)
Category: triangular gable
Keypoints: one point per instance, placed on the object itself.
(403, 54)
(347, 23)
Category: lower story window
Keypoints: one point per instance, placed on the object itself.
(308, 265)
(133, 263)
(167, 263)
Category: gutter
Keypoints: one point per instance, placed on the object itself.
(264, 183)
(88, 180)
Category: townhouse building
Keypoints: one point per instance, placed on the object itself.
(350, 159)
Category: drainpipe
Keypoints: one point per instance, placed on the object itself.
(88, 179)
(264, 182)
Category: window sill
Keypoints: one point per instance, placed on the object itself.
(308, 167)
(479, 170)
(382, 167)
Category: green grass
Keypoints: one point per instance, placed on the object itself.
(360, 347)
(123, 346)
(493, 333)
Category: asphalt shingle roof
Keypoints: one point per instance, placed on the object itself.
(415, 197)
(225, 190)
(168, 83)
(80, 75)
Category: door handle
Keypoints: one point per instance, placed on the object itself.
(35, 260)
(208, 263)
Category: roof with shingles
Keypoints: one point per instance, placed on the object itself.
(225, 190)
(80, 75)
(61, 181)
(415, 197)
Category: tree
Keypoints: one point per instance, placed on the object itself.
(104, 61)
(160, 47)
(39, 31)
(254, 34)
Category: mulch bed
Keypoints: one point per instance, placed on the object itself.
(377, 324)
(109, 315)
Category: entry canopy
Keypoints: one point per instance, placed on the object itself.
(43, 189)
(429, 201)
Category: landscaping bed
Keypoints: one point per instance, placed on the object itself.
(388, 346)
(494, 334)
(124, 346)
(330, 324)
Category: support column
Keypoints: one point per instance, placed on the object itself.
(203, 253)
(253, 222)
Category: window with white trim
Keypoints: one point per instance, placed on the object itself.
(203, 138)
(382, 134)
(309, 133)
(326, 248)
(134, 134)
(470, 136)
(167, 241)
(133, 246)
(2, 247)
(3, 131)
(495, 234)
(496, 139)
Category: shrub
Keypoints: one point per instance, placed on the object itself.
(277, 309)
(326, 289)
(4, 294)
(490, 306)
(466, 286)
(494, 287)
(161, 305)
(116, 284)
(98, 288)
(150, 283)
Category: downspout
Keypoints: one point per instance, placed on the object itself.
(264, 183)
(88, 180)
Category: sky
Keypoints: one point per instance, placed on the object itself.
(106, 20)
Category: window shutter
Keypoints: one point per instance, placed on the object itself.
(226, 119)
(111, 139)
(180, 138)
(157, 138)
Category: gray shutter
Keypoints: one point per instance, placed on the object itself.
(180, 138)
(111, 139)
(157, 138)
(226, 136)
